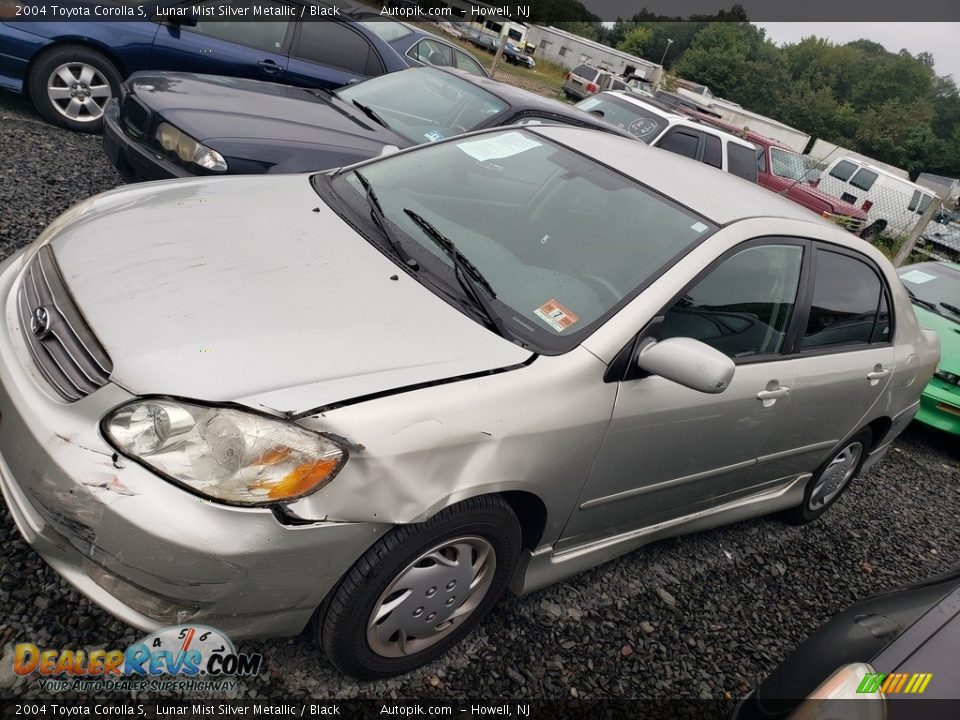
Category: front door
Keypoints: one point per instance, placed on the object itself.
(670, 451)
(219, 46)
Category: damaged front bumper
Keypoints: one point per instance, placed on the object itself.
(146, 551)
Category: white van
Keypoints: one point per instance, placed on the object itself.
(893, 205)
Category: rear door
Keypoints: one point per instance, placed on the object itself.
(221, 46)
(331, 54)
(843, 360)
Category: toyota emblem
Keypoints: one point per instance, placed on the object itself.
(40, 322)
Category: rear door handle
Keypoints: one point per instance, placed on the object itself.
(769, 397)
(269, 66)
(878, 373)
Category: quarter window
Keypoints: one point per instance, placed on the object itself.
(843, 170)
(743, 307)
(846, 302)
(465, 62)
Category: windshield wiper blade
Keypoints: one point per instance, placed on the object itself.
(467, 274)
(952, 308)
(376, 212)
(919, 301)
(370, 113)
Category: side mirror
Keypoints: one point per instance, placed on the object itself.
(687, 362)
(183, 20)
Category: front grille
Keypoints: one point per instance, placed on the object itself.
(136, 118)
(854, 225)
(63, 346)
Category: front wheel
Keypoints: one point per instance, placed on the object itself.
(420, 590)
(832, 478)
(71, 85)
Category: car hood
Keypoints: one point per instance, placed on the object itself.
(949, 333)
(251, 289)
(210, 107)
(840, 207)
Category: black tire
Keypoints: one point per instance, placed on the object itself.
(871, 233)
(340, 624)
(804, 513)
(43, 75)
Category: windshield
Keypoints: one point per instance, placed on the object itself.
(934, 286)
(787, 164)
(425, 104)
(559, 239)
(638, 121)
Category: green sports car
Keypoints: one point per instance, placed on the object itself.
(934, 288)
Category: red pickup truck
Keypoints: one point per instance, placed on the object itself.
(784, 171)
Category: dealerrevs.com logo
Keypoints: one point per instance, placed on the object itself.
(186, 657)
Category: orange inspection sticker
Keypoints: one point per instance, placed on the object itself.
(556, 315)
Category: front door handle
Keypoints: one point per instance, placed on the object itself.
(269, 66)
(769, 397)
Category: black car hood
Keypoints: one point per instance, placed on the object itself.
(211, 108)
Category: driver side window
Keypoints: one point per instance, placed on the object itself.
(744, 306)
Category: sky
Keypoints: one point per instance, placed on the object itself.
(942, 40)
(939, 34)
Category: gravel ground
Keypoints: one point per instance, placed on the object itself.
(706, 615)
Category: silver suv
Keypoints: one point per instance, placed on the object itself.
(586, 80)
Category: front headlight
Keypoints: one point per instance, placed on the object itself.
(189, 150)
(230, 455)
(832, 699)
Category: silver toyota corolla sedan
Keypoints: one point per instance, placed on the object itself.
(376, 398)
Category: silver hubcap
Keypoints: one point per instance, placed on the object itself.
(433, 595)
(78, 91)
(836, 476)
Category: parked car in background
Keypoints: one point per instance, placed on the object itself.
(369, 401)
(785, 171)
(450, 28)
(177, 124)
(419, 47)
(513, 54)
(675, 133)
(893, 205)
(890, 657)
(72, 69)
(942, 235)
(934, 288)
(586, 80)
(485, 42)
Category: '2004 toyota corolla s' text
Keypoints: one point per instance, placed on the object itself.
(373, 399)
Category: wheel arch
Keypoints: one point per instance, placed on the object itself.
(85, 42)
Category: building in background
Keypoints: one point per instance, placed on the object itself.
(571, 50)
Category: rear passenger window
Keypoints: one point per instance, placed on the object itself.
(846, 303)
(586, 72)
(743, 161)
(713, 151)
(864, 179)
(843, 170)
(337, 45)
(681, 143)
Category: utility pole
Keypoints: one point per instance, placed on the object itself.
(914, 236)
(496, 58)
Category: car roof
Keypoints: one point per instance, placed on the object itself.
(881, 172)
(718, 196)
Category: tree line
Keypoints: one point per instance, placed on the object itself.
(888, 106)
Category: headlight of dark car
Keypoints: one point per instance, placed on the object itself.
(189, 150)
(227, 454)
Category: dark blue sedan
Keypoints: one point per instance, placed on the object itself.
(71, 69)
